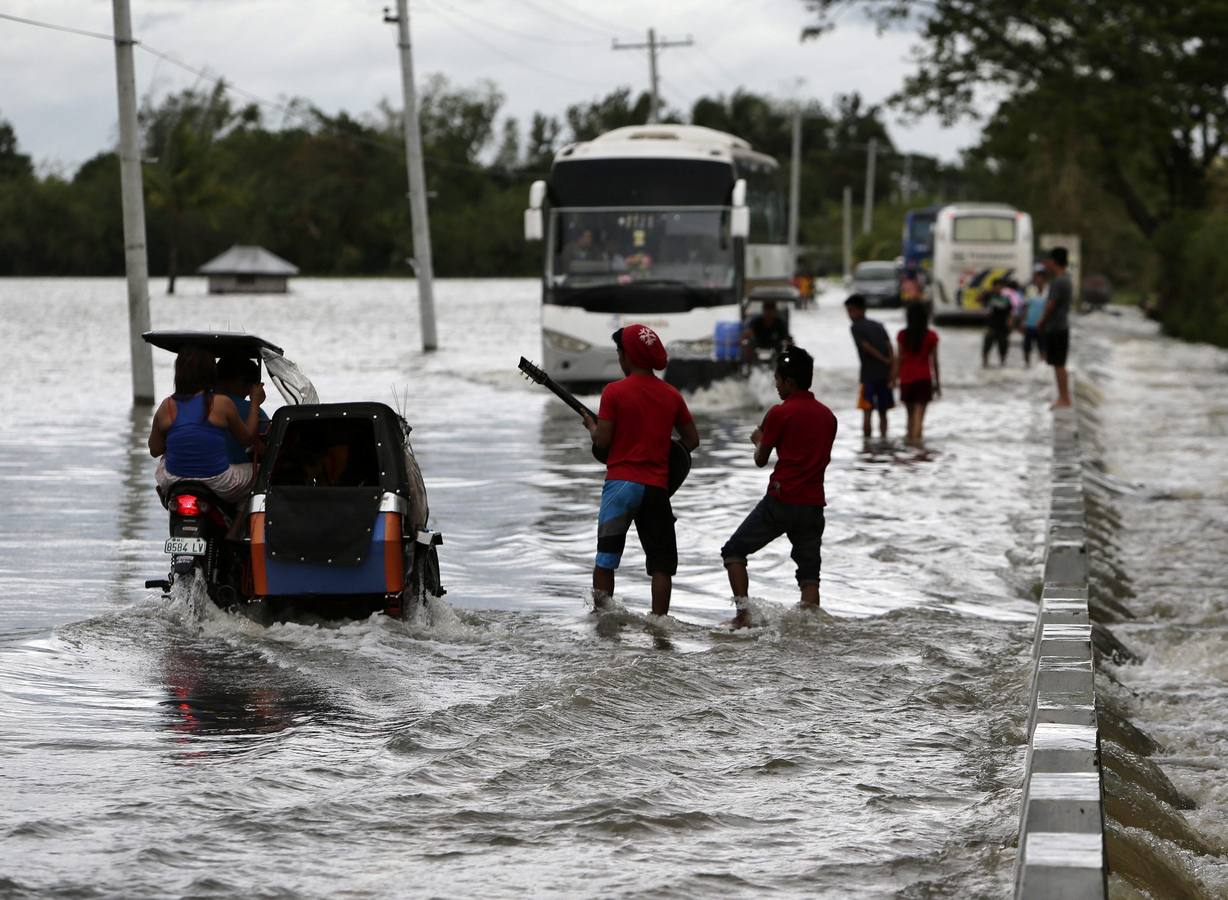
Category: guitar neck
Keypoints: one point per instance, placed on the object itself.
(567, 397)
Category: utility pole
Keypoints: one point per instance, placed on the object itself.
(136, 266)
(848, 231)
(652, 46)
(795, 189)
(907, 177)
(867, 214)
(423, 268)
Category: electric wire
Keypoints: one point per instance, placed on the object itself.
(553, 13)
(523, 35)
(511, 57)
(53, 27)
(290, 111)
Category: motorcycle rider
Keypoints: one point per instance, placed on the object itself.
(189, 430)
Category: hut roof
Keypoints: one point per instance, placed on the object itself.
(248, 260)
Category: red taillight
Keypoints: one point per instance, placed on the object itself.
(187, 505)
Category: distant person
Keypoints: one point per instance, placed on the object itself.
(919, 377)
(801, 430)
(635, 423)
(999, 315)
(911, 290)
(1054, 322)
(582, 249)
(189, 430)
(766, 331)
(877, 359)
(1033, 308)
(236, 375)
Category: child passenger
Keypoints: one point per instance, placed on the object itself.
(918, 368)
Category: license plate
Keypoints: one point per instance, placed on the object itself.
(185, 546)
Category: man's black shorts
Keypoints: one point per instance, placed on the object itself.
(769, 520)
(624, 502)
(1057, 347)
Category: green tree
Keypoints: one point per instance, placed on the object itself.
(1145, 82)
(615, 110)
(183, 184)
(13, 164)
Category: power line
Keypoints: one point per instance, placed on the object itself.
(53, 27)
(495, 48)
(523, 35)
(554, 15)
(288, 110)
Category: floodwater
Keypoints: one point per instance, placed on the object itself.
(1156, 420)
(507, 741)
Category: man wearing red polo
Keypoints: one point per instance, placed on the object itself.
(801, 430)
(636, 422)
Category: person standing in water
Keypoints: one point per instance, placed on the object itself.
(635, 423)
(1033, 309)
(877, 360)
(999, 311)
(919, 377)
(801, 430)
(1054, 324)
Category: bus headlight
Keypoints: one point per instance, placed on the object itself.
(703, 348)
(561, 341)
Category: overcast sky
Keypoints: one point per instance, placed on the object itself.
(59, 89)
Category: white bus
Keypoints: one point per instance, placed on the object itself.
(668, 225)
(974, 245)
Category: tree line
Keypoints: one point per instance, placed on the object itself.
(1111, 124)
(1108, 123)
(327, 192)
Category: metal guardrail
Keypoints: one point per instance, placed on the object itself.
(1061, 831)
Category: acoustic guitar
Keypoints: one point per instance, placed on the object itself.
(679, 456)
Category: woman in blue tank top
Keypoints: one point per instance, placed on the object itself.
(190, 427)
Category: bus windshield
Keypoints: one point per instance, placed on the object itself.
(921, 230)
(984, 229)
(591, 247)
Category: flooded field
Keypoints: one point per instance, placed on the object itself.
(506, 741)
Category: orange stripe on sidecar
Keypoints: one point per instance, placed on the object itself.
(394, 559)
(260, 574)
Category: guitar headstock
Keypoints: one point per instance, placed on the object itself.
(532, 372)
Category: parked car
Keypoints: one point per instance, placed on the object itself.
(878, 281)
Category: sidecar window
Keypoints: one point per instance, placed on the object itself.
(334, 452)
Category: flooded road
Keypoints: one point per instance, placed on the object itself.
(505, 741)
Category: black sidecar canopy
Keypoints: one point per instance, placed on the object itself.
(336, 445)
(221, 343)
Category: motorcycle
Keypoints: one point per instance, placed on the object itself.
(336, 525)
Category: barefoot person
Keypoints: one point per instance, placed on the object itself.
(1054, 324)
(635, 423)
(874, 350)
(918, 374)
(801, 430)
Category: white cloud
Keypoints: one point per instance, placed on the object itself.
(60, 88)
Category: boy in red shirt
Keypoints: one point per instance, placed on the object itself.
(636, 422)
(801, 430)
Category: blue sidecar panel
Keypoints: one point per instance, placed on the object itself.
(300, 579)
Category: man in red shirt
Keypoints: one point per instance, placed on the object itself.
(635, 423)
(801, 430)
